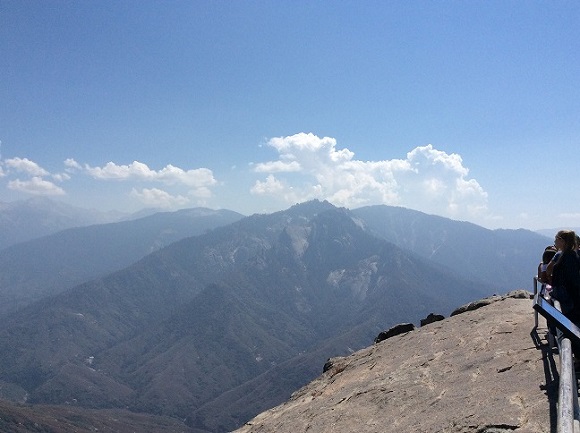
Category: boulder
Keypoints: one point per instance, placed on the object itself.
(401, 328)
(431, 318)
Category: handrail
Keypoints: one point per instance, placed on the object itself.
(568, 408)
(566, 394)
(567, 389)
(535, 286)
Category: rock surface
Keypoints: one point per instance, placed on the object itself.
(485, 370)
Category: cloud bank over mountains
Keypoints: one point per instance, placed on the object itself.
(428, 179)
(306, 167)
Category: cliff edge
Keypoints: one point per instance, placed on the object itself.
(485, 370)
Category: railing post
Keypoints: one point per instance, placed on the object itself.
(568, 335)
(575, 402)
(568, 388)
(565, 392)
(535, 293)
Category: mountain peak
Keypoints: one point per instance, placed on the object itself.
(311, 207)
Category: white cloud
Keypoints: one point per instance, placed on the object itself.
(425, 157)
(428, 179)
(72, 165)
(270, 186)
(196, 178)
(61, 177)
(136, 170)
(198, 182)
(158, 198)
(309, 150)
(277, 167)
(36, 185)
(24, 165)
(186, 185)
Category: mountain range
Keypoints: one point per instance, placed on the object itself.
(215, 328)
(24, 220)
(54, 263)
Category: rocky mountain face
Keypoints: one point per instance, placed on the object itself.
(215, 328)
(503, 258)
(46, 266)
(480, 371)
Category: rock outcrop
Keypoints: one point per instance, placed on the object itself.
(399, 329)
(481, 371)
(432, 318)
(517, 294)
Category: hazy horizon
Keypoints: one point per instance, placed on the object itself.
(458, 109)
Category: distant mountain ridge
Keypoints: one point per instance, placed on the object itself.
(505, 259)
(189, 323)
(23, 220)
(54, 263)
(550, 233)
(439, 239)
(51, 264)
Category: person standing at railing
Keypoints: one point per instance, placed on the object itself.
(565, 275)
(549, 253)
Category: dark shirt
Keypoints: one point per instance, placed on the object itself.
(566, 271)
(566, 275)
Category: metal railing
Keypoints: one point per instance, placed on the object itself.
(568, 412)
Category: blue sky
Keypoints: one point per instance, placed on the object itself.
(465, 109)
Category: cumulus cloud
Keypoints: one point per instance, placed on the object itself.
(308, 150)
(427, 179)
(36, 185)
(185, 184)
(270, 186)
(180, 186)
(71, 165)
(196, 178)
(277, 166)
(158, 198)
(61, 177)
(29, 177)
(24, 165)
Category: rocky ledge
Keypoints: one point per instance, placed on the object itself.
(484, 369)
